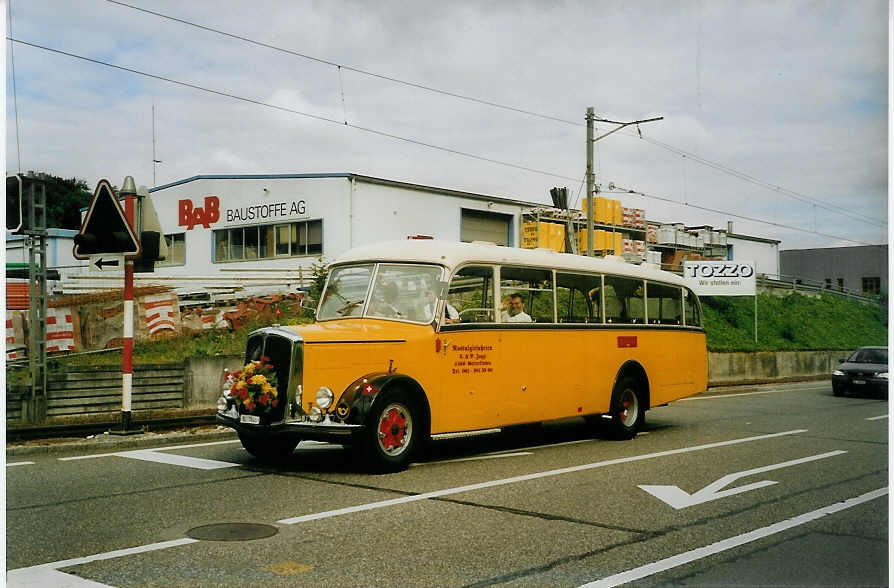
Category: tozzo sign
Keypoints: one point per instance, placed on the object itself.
(720, 278)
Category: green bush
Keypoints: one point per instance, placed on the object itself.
(792, 322)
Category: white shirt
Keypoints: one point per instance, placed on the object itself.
(521, 317)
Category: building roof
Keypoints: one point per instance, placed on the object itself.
(358, 178)
(404, 185)
(69, 233)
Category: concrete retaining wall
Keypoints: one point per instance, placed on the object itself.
(204, 379)
(768, 366)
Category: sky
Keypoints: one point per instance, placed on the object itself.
(775, 113)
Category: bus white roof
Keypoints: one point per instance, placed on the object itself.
(452, 254)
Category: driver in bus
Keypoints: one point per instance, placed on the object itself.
(452, 315)
(514, 310)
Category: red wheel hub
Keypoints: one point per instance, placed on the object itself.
(392, 429)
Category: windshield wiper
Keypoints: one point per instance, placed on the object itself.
(349, 305)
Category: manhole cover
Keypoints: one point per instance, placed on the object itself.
(232, 532)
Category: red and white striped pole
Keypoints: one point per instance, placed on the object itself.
(129, 191)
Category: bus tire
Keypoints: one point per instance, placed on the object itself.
(269, 449)
(627, 411)
(393, 433)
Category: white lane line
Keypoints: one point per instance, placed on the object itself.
(15, 463)
(715, 396)
(732, 542)
(197, 463)
(524, 478)
(883, 416)
(164, 448)
(39, 575)
(476, 458)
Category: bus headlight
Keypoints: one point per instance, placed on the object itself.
(324, 397)
(221, 404)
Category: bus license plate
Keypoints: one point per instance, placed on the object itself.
(859, 382)
(250, 419)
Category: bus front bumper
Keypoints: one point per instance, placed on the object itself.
(302, 430)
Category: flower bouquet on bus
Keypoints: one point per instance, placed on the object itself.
(251, 391)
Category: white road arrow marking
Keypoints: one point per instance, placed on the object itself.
(678, 498)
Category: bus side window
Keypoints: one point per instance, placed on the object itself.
(471, 293)
(664, 304)
(690, 306)
(579, 298)
(534, 287)
(624, 300)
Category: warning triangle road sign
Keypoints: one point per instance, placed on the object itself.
(105, 228)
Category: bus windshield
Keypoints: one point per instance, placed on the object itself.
(387, 290)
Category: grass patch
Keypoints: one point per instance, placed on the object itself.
(794, 322)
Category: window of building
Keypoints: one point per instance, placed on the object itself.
(841, 284)
(268, 241)
(872, 285)
(176, 250)
(828, 283)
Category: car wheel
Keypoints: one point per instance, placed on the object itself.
(393, 432)
(269, 449)
(627, 411)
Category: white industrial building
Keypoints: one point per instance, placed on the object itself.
(249, 232)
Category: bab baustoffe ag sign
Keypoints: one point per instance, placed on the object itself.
(720, 278)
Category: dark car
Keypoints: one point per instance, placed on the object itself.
(866, 370)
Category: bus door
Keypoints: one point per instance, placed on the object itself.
(468, 355)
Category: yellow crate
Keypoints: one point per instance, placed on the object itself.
(557, 237)
(535, 235)
(617, 213)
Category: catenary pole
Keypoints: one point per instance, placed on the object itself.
(591, 180)
(591, 176)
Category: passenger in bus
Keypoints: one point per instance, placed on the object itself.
(515, 310)
(384, 302)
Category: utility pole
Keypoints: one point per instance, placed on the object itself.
(591, 180)
(591, 176)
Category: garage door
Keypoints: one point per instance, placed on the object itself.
(478, 225)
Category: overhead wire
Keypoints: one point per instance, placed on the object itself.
(698, 159)
(292, 110)
(401, 138)
(15, 98)
(342, 65)
(620, 190)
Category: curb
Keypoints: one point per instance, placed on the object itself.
(106, 443)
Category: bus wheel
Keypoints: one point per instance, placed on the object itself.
(392, 432)
(269, 449)
(627, 412)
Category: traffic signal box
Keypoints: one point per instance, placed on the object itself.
(105, 230)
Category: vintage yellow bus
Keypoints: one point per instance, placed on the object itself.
(422, 339)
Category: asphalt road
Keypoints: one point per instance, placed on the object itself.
(770, 485)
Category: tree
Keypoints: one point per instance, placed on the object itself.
(65, 199)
